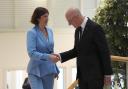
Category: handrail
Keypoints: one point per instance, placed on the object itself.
(114, 58)
(73, 85)
(119, 58)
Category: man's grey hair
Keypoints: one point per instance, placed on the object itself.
(74, 11)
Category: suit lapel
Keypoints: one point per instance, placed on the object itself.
(86, 29)
(49, 40)
(44, 40)
(41, 35)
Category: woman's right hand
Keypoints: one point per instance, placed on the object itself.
(54, 58)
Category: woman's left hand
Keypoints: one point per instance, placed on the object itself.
(56, 76)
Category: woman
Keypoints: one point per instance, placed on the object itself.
(41, 70)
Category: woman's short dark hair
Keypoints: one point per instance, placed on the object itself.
(38, 12)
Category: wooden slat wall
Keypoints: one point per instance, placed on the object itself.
(6, 14)
(16, 14)
(24, 10)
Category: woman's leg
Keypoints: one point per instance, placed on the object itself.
(48, 81)
(35, 82)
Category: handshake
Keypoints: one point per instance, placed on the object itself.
(55, 57)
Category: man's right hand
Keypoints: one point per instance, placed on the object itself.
(57, 56)
(54, 58)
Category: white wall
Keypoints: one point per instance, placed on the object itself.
(57, 10)
(13, 50)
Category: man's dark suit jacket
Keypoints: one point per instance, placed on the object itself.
(92, 52)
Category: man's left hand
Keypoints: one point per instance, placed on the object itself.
(107, 80)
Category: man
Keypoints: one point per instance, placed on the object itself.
(90, 47)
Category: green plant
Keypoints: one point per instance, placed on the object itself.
(113, 17)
